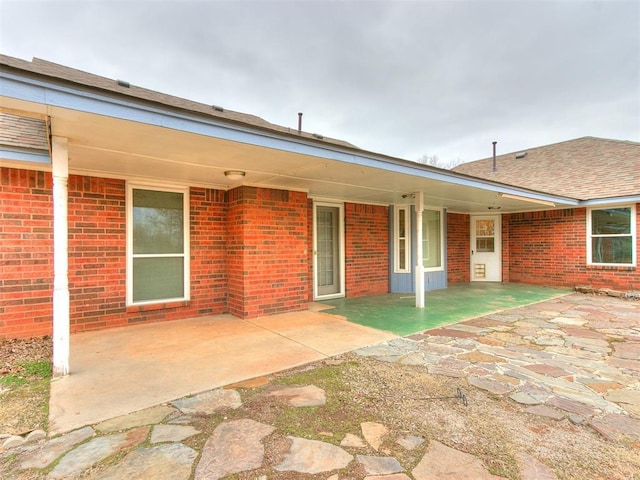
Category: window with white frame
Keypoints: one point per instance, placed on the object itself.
(611, 235)
(402, 240)
(432, 253)
(157, 245)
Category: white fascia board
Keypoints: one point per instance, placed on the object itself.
(55, 95)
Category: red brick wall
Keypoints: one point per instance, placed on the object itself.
(26, 253)
(366, 249)
(97, 255)
(209, 269)
(310, 249)
(97, 252)
(267, 248)
(458, 247)
(549, 248)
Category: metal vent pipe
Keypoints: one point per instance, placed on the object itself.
(495, 168)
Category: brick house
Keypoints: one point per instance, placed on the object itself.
(121, 205)
(594, 243)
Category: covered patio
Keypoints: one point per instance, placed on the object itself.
(122, 370)
(396, 312)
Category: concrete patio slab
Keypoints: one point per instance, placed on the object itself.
(118, 371)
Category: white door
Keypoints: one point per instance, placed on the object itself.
(486, 248)
(328, 258)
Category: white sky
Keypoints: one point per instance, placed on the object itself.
(404, 78)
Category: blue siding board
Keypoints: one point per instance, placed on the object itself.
(40, 158)
(405, 282)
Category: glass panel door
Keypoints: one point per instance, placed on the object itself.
(328, 252)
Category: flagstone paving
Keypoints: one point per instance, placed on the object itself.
(582, 362)
(571, 361)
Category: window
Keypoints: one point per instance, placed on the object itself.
(611, 234)
(485, 236)
(158, 245)
(402, 240)
(432, 240)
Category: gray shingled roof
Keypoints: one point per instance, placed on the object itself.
(585, 168)
(23, 132)
(59, 72)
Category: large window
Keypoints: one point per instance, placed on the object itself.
(432, 252)
(611, 236)
(158, 245)
(402, 240)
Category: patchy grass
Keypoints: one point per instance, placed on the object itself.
(31, 371)
(333, 420)
(24, 385)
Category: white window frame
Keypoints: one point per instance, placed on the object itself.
(186, 254)
(590, 236)
(397, 239)
(425, 252)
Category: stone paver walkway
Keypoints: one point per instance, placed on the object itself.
(579, 358)
(573, 358)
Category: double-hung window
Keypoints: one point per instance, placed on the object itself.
(157, 245)
(611, 236)
(432, 252)
(402, 239)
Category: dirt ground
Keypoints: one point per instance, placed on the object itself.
(360, 389)
(24, 391)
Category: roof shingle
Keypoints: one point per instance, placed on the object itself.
(23, 132)
(584, 168)
(67, 74)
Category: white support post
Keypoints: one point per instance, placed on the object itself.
(60, 167)
(419, 270)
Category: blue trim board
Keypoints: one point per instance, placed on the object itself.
(37, 91)
(610, 201)
(40, 158)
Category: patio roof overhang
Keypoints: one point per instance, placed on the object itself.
(119, 137)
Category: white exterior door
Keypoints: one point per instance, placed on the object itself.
(486, 248)
(328, 251)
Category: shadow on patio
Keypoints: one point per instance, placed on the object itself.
(396, 312)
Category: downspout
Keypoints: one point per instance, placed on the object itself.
(419, 254)
(60, 169)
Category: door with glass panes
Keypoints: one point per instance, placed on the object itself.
(328, 263)
(486, 248)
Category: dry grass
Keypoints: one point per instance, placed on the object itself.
(362, 389)
(25, 375)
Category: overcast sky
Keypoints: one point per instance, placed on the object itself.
(404, 78)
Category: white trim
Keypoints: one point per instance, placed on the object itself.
(419, 270)
(320, 198)
(341, 293)
(61, 297)
(187, 245)
(442, 244)
(497, 253)
(396, 239)
(633, 234)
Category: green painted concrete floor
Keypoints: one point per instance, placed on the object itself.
(396, 312)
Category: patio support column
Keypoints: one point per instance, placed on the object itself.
(419, 270)
(60, 167)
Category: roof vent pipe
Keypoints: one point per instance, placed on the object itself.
(299, 122)
(495, 168)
